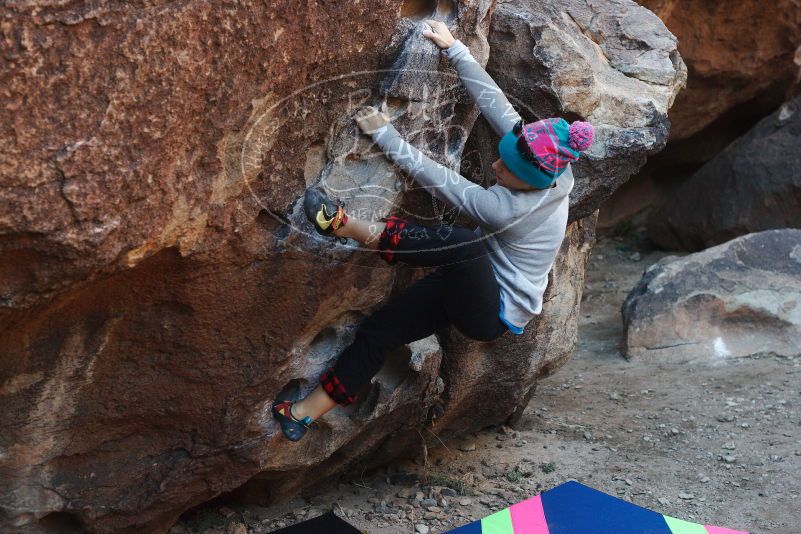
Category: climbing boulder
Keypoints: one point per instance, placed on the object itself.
(741, 298)
(612, 63)
(753, 185)
(159, 284)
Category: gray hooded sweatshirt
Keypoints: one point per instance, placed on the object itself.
(522, 230)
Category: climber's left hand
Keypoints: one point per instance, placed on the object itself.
(371, 119)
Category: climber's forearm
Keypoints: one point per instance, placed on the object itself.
(482, 205)
(494, 105)
(438, 179)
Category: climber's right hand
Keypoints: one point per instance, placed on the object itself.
(439, 33)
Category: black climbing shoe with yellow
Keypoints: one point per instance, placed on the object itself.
(293, 429)
(325, 214)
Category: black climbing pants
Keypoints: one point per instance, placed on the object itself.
(462, 291)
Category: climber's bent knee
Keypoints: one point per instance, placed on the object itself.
(427, 245)
(390, 238)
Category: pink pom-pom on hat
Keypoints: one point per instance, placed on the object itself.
(581, 135)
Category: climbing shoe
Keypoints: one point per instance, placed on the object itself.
(325, 214)
(293, 429)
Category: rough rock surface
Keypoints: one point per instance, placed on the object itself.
(736, 51)
(158, 284)
(753, 185)
(743, 58)
(737, 299)
(571, 58)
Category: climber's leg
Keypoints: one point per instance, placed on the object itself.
(470, 291)
(365, 232)
(328, 217)
(317, 403)
(415, 313)
(463, 291)
(428, 246)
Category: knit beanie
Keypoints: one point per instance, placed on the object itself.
(553, 143)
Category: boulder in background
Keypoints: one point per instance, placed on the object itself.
(741, 298)
(753, 185)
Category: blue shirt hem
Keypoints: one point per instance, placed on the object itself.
(512, 328)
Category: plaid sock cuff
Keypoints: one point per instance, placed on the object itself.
(390, 237)
(340, 219)
(335, 389)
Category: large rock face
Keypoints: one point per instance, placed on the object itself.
(736, 51)
(736, 299)
(158, 284)
(753, 185)
(743, 59)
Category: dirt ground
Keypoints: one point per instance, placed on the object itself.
(715, 443)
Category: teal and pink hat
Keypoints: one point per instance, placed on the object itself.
(539, 152)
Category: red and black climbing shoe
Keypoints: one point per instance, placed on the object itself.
(293, 429)
(325, 214)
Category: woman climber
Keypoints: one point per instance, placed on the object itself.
(486, 282)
